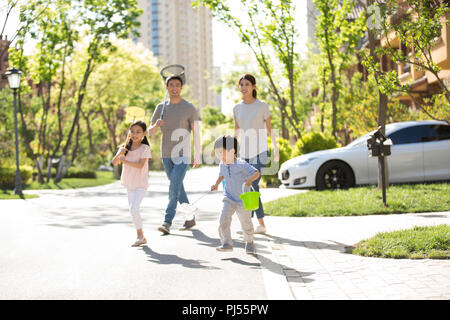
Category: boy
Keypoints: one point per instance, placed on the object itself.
(236, 172)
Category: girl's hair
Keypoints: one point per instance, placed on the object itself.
(144, 128)
(226, 142)
(252, 79)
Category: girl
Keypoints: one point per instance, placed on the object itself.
(252, 116)
(135, 155)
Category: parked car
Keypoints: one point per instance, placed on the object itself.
(420, 152)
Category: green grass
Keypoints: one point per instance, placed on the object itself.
(418, 243)
(9, 194)
(363, 201)
(103, 177)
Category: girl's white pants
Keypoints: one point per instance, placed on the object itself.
(134, 201)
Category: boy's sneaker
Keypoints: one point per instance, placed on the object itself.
(165, 228)
(260, 229)
(225, 248)
(250, 248)
(189, 223)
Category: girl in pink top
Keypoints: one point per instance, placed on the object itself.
(135, 155)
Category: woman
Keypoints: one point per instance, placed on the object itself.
(252, 120)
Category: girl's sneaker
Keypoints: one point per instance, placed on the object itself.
(139, 242)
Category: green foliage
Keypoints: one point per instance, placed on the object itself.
(417, 24)
(418, 243)
(285, 154)
(8, 176)
(363, 201)
(80, 173)
(313, 141)
(213, 116)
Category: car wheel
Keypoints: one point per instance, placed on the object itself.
(335, 175)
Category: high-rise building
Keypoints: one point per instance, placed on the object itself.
(178, 34)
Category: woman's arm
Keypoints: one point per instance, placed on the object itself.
(274, 140)
(237, 129)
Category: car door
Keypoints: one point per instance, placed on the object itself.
(436, 152)
(405, 164)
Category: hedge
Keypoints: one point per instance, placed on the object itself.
(8, 176)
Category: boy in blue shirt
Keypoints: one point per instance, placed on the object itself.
(236, 172)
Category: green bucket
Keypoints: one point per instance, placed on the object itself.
(250, 199)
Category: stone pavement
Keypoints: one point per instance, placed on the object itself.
(311, 263)
(73, 244)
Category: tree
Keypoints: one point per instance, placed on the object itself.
(337, 36)
(271, 29)
(418, 25)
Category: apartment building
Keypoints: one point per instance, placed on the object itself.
(178, 34)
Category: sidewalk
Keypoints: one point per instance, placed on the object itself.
(311, 262)
(75, 244)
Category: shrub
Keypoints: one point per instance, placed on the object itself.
(80, 173)
(314, 141)
(8, 176)
(285, 154)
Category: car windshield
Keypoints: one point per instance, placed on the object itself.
(360, 140)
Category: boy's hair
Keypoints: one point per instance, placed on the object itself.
(227, 143)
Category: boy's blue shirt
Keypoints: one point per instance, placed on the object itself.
(235, 175)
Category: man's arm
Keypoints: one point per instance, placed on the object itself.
(154, 127)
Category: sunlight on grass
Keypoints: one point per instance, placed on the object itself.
(363, 201)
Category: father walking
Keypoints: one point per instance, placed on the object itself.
(177, 118)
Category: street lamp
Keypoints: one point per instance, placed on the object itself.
(14, 83)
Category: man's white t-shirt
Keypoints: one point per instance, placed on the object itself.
(251, 119)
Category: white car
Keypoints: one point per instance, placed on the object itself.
(420, 152)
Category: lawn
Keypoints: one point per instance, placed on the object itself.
(103, 177)
(9, 194)
(363, 201)
(417, 243)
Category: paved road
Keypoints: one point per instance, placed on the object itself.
(75, 244)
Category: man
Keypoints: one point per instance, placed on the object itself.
(176, 118)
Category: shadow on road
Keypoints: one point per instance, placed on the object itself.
(173, 259)
(309, 244)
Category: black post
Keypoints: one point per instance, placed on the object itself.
(383, 178)
(18, 183)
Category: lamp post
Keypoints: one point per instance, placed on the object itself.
(14, 83)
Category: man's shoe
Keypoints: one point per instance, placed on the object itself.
(225, 248)
(250, 248)
(165, 228)
(189, 223)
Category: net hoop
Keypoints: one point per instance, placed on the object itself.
(173, 70)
